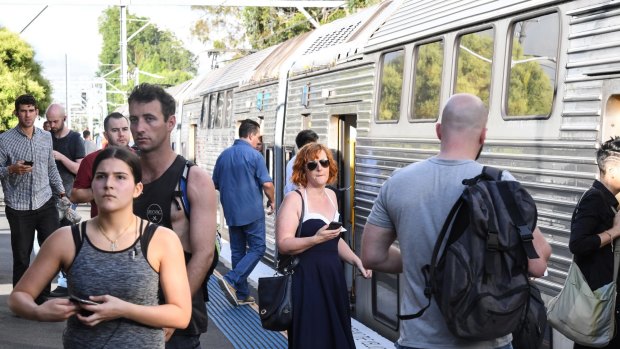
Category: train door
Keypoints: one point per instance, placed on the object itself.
(343, 132)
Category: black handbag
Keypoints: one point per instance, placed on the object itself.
(275, 301)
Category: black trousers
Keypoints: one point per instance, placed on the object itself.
(23, 225)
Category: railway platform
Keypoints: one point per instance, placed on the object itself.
(229, 327)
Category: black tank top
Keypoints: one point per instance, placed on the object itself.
(154, 205)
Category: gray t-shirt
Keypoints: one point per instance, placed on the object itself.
(415, 202)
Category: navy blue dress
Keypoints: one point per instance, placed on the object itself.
(321, 312)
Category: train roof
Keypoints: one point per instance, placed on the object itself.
(231, 74)
(342, 39)
(418, 19)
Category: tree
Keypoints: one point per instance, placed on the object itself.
(152, 50)
(19, 74)
(261, 27)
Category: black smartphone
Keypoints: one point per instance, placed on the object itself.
(28, 163)
(82, 301)
(334, 225)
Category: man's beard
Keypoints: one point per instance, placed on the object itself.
(479, 151)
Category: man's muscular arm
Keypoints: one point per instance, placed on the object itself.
(202, 225)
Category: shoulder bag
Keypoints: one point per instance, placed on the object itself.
(274, 293)
(585, 316)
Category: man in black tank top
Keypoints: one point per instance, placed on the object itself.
(151, 117)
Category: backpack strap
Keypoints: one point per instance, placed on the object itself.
(429, 270)
(146, 236)
(180, 191)
(78, 237)
(525, 232)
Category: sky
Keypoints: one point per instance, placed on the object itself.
(71, 31)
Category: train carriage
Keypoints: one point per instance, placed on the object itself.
(372, 85)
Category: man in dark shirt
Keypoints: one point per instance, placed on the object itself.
(29, 181)
(151, 119)
(68, 152)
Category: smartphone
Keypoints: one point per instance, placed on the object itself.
(334, 225)
(82, 301)
(28, 163)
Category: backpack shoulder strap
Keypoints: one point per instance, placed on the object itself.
(77, 230)
(146, 236)
(429, 270)
(181, 189)
(492, 173)
(526, 234)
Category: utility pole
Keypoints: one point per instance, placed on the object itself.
(123, 45)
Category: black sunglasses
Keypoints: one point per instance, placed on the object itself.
(312, 165)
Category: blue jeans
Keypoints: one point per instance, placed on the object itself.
(245, 259)
(507, 346)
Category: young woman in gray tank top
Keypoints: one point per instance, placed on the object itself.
(114, 263)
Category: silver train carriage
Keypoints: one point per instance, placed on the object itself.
(372, 86)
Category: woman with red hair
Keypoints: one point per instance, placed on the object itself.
(321, 316)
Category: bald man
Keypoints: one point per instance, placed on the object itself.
(68, 153)
(412, 207)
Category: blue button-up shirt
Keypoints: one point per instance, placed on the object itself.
(31, 190)
(239, 175)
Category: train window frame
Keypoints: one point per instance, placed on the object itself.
(212, 110)
(414, 64)
(204, 112)
(457, 49)
(228, 107)
(380, 85)
(220, 114)
(508, 63)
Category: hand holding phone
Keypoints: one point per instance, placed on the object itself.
(28, 163)
(334, 225)
(82, 301)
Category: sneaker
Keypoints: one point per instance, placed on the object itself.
(229, 291)
(248, 300)
(59, 292)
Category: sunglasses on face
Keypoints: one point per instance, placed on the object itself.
(312, 165)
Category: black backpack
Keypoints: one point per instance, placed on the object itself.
(480, 281)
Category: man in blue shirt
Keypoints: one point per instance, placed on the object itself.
(241, 177)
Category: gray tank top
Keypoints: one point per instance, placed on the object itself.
(124, 274)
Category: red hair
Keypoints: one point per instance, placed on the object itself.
(307, 153)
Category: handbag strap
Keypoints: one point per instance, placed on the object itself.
(298, 232)
(616, 258)
(301, 216)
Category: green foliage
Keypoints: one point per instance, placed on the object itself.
(428, 71)
(474, 73)
(530, 90)
(261, 27)
(152, 50)
(19, 74)
(391, 86)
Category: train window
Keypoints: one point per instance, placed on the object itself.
(204, 112)
(217, 123)
(533, 67)
(229, 106)
(428, 71)
(385, 299)
(391, 86)
(212, 110)
(475, 59)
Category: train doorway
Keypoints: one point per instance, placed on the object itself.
(342, 137)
